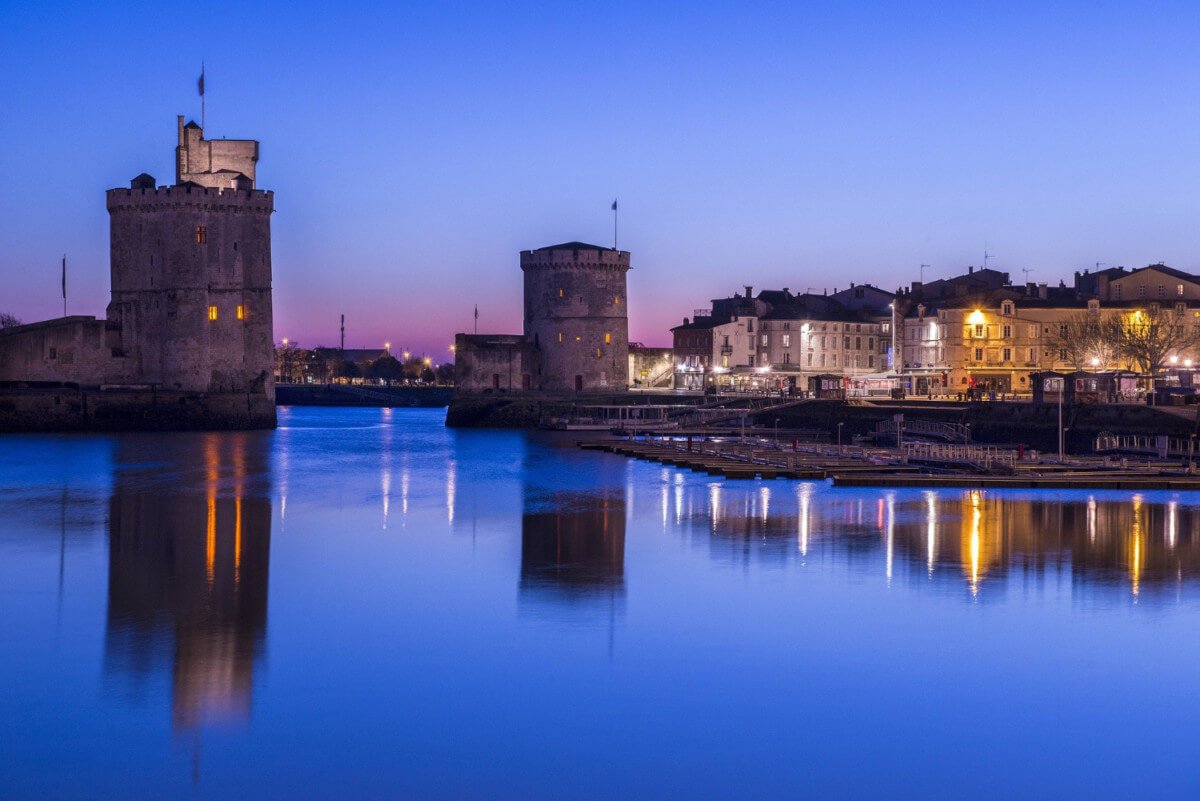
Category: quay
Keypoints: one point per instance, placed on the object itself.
(914, 465)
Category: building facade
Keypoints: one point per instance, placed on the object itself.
(777, 340)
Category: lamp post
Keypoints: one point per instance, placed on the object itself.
(840, 438)
(892, 306)
(1062, 390)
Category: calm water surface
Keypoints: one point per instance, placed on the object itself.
(363, 604)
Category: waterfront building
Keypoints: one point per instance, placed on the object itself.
(778, 341)
(576, 332)
(991, 337)
(190, 308)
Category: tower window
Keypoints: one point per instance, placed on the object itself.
(560, 336)
(212, 312)
(561, 293)
(616, 300)
(597, 353)
(607, 338)
(201, 234)
(241, 312)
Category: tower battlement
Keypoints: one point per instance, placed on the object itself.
(210, 198)
(575, 254)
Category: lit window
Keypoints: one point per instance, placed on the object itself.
(607, 338)
(241, 312)
(212, 312)
(616, 300)
(201, 235)
(1179, 289)
(560, 293)
(560, 336)
(597, 353)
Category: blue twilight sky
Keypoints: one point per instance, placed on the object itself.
(415, 148)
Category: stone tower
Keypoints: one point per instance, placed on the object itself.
(575, 316)
(191, 271)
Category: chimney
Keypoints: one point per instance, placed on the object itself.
(970, 270)
(749, 290)
(785, 291)
(1042, 290)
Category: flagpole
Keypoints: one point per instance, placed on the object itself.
(614, 211)
(202, 120)
(64, 284)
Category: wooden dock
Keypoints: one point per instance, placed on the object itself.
(855, 466)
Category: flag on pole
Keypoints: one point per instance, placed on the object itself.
(201, 83)
(614, 206)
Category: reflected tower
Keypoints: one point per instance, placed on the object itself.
(188, 566)
(573, 546)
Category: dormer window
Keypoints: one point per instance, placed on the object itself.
(1006, 308)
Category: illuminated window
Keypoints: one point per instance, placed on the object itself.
(616, 300)
(241, 312)
(212, 312)
(577, 339)
(1179, 289)
(201, 234)
(978, 330)
(607, 338)
(560, 336)
(560, 293)
(597, 353)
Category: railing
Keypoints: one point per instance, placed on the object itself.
(952, 432)
(726, 350)
(1152, 444)
(983, 456)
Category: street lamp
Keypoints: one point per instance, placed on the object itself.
(840, 438)
(892, 306)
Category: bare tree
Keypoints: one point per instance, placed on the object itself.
(1150, 337)
(1081, 340)
(8, 320)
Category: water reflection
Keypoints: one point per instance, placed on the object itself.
(188, 569)
(974, 538)
(573, 546)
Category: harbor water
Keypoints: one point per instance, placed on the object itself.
(366, 604)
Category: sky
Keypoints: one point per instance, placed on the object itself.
(415, 148)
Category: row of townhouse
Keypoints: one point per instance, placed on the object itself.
(972, 331)
(996, 338)
(779, 340)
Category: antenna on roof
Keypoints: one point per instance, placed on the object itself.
(1027, 271)
(1098, 265)
(986, 255)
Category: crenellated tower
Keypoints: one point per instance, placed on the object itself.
(575, 316)
(191, 271)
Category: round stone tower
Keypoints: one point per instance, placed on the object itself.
(575, 316)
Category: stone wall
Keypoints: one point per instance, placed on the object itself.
(494, 362)
(131, 410)
(76, 350)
